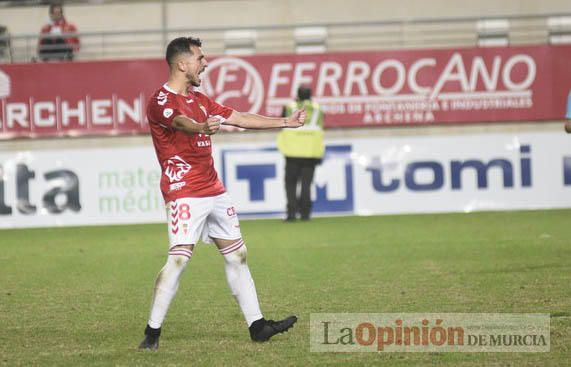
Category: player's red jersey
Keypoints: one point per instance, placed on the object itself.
(186, 160)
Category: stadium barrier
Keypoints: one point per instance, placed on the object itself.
(359, 176)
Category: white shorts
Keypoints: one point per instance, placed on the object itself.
(194, 219)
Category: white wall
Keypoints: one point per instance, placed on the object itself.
(201, 14)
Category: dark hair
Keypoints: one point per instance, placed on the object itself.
(54, 5)
(303, 93)
(181, 45)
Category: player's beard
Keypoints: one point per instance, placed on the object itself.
(194, 80)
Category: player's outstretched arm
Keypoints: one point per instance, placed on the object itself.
(248, 120)
(189, 126)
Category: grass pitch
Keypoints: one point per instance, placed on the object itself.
(80, 296)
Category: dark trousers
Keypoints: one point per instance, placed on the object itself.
(55, 49)
(299, 171)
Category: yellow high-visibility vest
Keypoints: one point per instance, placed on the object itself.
(305, 141)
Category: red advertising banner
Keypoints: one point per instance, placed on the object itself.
(377, 88)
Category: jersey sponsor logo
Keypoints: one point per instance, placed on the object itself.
(231, 80)
(167, 112)
(176, 168)
(162, 98)
(176, 186)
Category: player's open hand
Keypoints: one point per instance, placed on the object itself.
(296, 119)
(211, 126)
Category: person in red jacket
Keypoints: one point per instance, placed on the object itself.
(57, 38)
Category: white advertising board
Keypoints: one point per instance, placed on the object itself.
(383, 175)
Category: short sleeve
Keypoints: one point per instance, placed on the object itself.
(214, 108)
(163, 109)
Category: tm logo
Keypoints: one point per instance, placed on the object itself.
(255, 179)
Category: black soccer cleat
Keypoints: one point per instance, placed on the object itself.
(151, 341)
(262, 330)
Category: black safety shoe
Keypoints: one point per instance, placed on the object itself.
(151, 340)
(262, 330)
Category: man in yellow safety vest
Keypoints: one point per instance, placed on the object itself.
(303, 149)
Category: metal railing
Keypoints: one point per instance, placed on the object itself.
(408, 33)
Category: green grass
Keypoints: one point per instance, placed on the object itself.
(80, 296)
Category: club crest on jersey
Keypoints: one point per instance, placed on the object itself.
(167, 112)
(176, 168)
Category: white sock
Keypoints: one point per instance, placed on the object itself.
(166, 285)
(240, 281)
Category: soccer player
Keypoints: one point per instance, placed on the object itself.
(198, 207)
